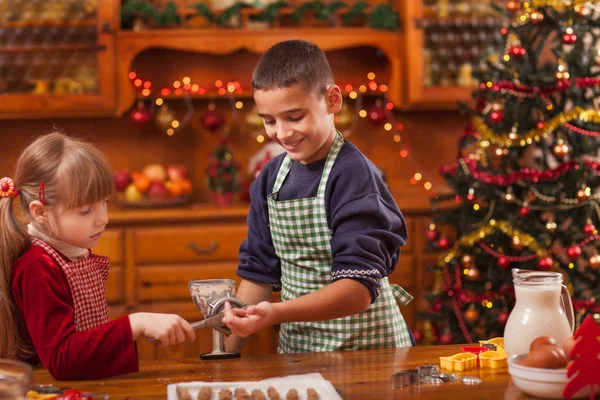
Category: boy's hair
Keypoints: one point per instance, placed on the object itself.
(291, 62)
(74, 173)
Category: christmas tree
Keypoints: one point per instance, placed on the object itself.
(222, 172)
(526, 181)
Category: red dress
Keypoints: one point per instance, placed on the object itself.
(71, 341)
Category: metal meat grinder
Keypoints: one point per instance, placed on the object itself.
(210, 296)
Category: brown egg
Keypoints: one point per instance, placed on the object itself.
(568, 346)
(547, 356)
(542, 341)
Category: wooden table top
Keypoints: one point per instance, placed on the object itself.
(357, 374)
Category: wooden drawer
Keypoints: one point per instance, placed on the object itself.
(188, 244)
(170, 282)
(115, 285)
(404, 273)
(111, 245)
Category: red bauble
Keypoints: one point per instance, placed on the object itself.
(140, 115)
(377, 115)
(517, 51)
(569, 38)
(545, 263)
(418, 335)
(444, 243)
(496, 116)
(503, 262)
(503, 317)
(524, 211)
(589, 228)
(432, 235)
(212, 120)
(574, 252)
(446, 338)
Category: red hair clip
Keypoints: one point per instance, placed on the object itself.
(42, 193)
(7, 188)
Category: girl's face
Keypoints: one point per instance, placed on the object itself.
(82, 226)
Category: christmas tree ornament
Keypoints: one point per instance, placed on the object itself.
(444, 243)
(446, 337)
(496, 116)
(513, 6)
(574, 252)
(516, 243)
(545, 263)
(432, 235)
(584, 194)
(503, 262)
(471, 315)
(524, 211)
(582, 10)
(560, 149)
(377, 115)
(140, 115)
(164, 118)
(212, 119)
(595, 262)
(562, 74)
(569, 37)
(467, 260)
(418, 335)
(473, 275)
(536, 17)
(503, 317)
(589, 228)
(517, 52)
(343, 119)
(253, 120)
(551, 226)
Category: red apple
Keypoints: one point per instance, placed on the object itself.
(155, 173)
(158, 192)
(122, 179)
(176, 172)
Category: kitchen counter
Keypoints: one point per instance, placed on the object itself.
(355, 374)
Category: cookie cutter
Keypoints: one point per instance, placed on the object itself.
(471, 380)
(492, 359)
(459, 362)
(405, 378)
(498, 341)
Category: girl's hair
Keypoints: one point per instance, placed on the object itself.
(74, 173)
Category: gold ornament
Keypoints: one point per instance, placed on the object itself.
(560, 149)
(467, 260)
(471, 315)
(536, 17)
(473, 275)
(595, 262)
(551, 226)
(164, 117)
(516, 243)
(513, 6)
(583, 194)
(343, 119)
(253, 119)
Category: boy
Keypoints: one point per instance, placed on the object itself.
(322, 226)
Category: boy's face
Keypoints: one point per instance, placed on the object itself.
(301, 122)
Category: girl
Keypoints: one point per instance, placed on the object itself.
(52, 288)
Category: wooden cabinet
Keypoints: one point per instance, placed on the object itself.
(57, 59)
(154, 254)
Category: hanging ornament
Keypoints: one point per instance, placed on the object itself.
(589, 228)
(418, 335)
(517, 51)
(496, 116)
(560, 149)
(582, 10)
(584, 194)
(212, 119)
(376, 115)
(574, 252)
(545, 263)
(473, 275)
(513, 6)
(595, 262)
(467, 260)
(432, 235)
(343, 119)
(446, 338)
(524, 211)
(140, 115)
(503, 262)
(516, 243)
(471, 195)
(164, 118)
(551, 226)
(562, 74)
(503, 317)
(253, 120)
(444, 243)
(569, 37)
(536, 17)
(471, 315)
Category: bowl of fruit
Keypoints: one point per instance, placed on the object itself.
(543, 371)
(153, 186)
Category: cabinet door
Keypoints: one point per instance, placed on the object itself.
(57, 58)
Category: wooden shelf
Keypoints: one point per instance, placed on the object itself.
(53, 48)
(226, 41)
(50, 23)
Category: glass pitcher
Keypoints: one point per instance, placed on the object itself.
(543, 308)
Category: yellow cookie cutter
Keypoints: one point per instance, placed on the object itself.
(498, 341)
(492, 359)
(459, 362)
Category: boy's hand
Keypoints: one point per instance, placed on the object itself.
(246, 322)
(168, 329)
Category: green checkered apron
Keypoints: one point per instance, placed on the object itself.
(301, 238)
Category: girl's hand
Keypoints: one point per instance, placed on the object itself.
(246, 322)
(168, 329)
